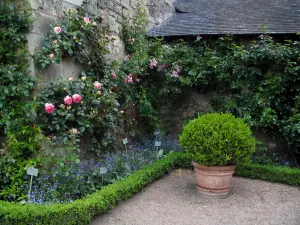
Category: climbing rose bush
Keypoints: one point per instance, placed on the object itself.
(70, 36)
(79, 106)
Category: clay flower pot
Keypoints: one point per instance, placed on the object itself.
(214, 181)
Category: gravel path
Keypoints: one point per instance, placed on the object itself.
(173, 200)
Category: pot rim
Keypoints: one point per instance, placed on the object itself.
(200, 166)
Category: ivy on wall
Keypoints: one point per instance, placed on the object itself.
(23, 136)
(16, 85)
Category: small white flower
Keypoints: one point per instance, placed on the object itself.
(74, 131)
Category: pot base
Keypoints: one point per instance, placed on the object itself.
(202, 192)
(213, 181)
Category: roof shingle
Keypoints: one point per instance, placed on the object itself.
(196, 17)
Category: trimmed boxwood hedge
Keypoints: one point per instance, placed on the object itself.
(82, 211)
(278, 174)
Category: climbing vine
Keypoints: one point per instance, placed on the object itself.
(23, 136)
(78, 36)
(258, 81)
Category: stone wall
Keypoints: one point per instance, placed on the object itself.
(46, 12)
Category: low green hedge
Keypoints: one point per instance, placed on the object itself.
(279, 174)
(82, 211)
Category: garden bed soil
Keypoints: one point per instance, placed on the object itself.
(174, 200)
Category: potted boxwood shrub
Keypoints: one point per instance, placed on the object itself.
(217, 143)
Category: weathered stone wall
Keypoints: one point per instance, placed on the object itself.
(46, 12)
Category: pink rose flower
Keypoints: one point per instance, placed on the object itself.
(86, 19)
(127, 57)
(137, 80)
(51, 56)
(68, 100)
(97, 85)
(174, 74)
(57, 30)
(153, 63)
(49, 108)
(55, 42)
(177, 68)
(129, 79)
(114, 75)
(77, 98)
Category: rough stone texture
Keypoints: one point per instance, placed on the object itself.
(75, 2)
(53, 7)
(42, 26)
(34, 41)
(173, 200)
(159, 12)
(70, 68)
(117, 49)
(36, 4)
(51, 73)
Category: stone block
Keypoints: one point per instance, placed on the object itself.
(118, 10)
(50, 74)
(53, 7)
(70, 68)
(75, 2)
(113, 14)
(42, 22)
(36, 4)
(117, 50)
(151, 24)
(160, 11)
(120, 19)
(92, 7)
(125, 3)
(110, 5)
(126, 13)
(34, 42)
(31, 66)
(114, 26)
(66, 6)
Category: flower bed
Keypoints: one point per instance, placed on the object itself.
(82, 211)
(67, 183)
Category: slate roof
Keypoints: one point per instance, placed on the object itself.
(199, 17)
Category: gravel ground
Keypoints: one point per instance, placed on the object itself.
(173, 200)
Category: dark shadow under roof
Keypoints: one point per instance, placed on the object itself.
(200, 17)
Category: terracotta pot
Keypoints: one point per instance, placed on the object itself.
(214, 181)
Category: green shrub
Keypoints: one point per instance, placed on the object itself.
(279, 174)
(218, 139)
